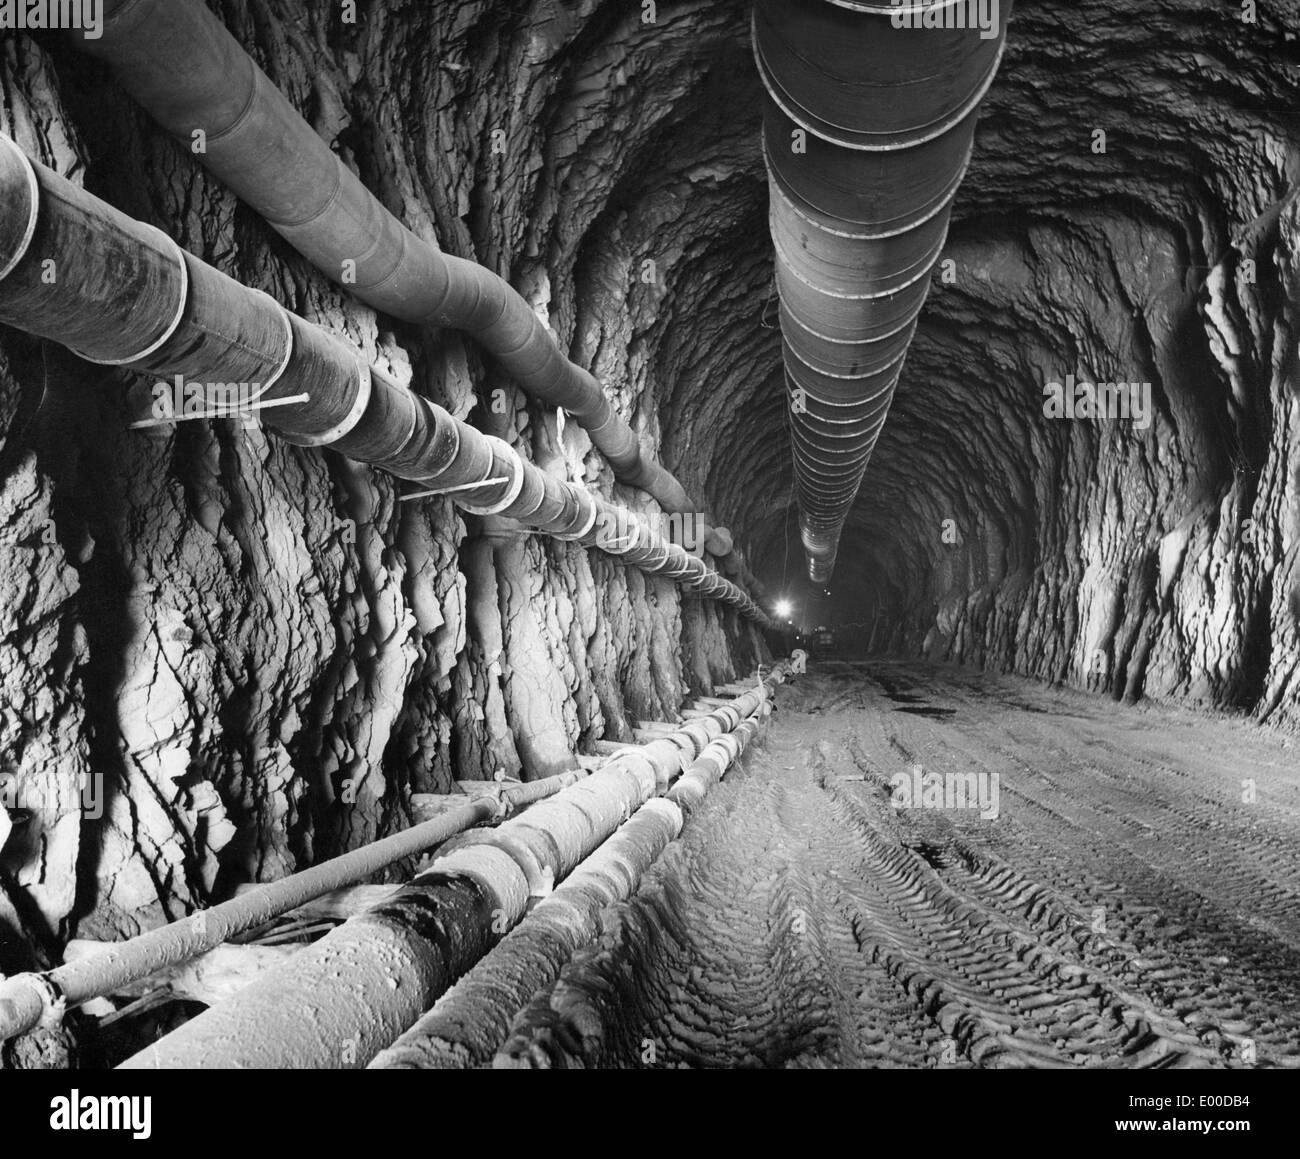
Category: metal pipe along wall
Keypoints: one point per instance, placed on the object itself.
(868, 122)
(180, 63)
(126, 295)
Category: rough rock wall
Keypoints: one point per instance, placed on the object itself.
(1161, 558)
(223, 657)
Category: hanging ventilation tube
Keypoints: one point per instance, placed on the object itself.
(179, 62)
(124, 294)
(868, 123)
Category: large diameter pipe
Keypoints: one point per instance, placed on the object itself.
(351, 993)
(711, 765)
(339, 1002)
(123, 293)
(181, 64)
(27, 1000)
(467, 1026)
(469, 1022)
(346, 997)
(868, 123)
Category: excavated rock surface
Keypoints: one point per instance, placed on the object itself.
(1163, 561)
(222, 657)
(254, 653)
(1126, 908)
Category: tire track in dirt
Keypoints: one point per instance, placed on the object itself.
(1103, 919)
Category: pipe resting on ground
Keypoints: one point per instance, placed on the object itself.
(467, 1026)
(28, 1000)
(342, 1000)
(182, 65)
(124, 294)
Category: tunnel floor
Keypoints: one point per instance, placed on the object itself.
(1127, 907)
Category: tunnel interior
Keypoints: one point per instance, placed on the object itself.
(226, 658)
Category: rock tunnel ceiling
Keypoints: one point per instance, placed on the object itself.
(229, 653)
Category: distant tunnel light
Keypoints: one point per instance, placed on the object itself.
(784, 608)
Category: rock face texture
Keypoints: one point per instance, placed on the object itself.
(1129, 217)
(223, 657)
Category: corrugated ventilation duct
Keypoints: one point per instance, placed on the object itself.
(868, 123)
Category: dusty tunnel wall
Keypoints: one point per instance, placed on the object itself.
(223, 657)
(253, 654)
(1129, 216)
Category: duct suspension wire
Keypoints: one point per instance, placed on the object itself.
(182, 65)
(868, 124)
(126, 295)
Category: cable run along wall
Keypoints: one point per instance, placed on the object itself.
(868, 124)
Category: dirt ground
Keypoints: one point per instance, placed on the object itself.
(1134, 902)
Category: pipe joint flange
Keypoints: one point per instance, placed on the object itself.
(498, 873)
(516, 482)
(183, 298)
(346, 424)
(539, 877)
(53, 1003)
(669, 810)
(639, 765)
(587, 524)
(33, 211)
(450, 431)
(679, 571)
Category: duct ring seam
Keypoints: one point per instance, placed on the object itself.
(915, 7)
(524, 516)
(34, 193)
(894, 365)
(336, 196)
(867, 90)
(626, 544)
(840, 297)
(925, 262)
(842, 273)
(972, 103)
(585, 529)
(516, 483)
(432, 480)
(680, 571)
(848, 341)
(259, 86)
(413, 425)
(172, 326)
(942, 204)
(345, 424)
(278, 373)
